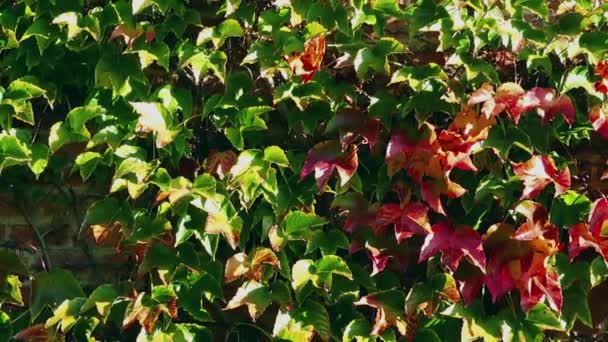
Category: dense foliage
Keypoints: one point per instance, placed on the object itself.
(299, 169)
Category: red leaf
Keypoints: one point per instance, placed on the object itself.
(359, 213)
(327, 156)
(519, 260)
(481, 95)
(581, 239)
(601, 69)
(142, 313)
(431, 196)
(598, 217)
(128, 34)
(220, 163)
(592, 235)
(249, 266)
(352, 123)
(507, 96)
(454, 243)
(417, 157)
(546, 104)
(601, 86)
(390, 311)
(378, 257)
(542, 234)
(470, 281)
(473, 126)
(307, 63)
(36, 333)
(408, 220)
(599, 119)
(498, 279)
(431, 191)
(562, 105)
(538, 282)
(371, 132)
(538, 172)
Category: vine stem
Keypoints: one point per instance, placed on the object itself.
(43, 247)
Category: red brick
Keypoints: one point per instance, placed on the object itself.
(108, 258)
(59, 235)
(9, 213)
(71, 258)
(53, 208)
(23, 235)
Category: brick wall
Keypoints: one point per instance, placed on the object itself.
(58, 214)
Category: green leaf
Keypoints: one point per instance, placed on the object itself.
(570, 208)
(22, 110)
(107, 210)
(13, 151)
(297, 224)
(218, 35)
(174, 99)
(576, 307)
(416, 76)
(570, 23)
(40, 29)
(102, 298)
(219, 222)
(599, 271)
(232, 6)
(187, 332)
(121, 73)
(427, 335)
(375, 58)
(24, 89)
(10, 263)
(153, 52)
(6, 327)
(201, 63)
(328, 242)
(359, 330)
(543, 317)
(40, 158)
(76, 24)
(367, 60)
(68, 313)
(83, 329)
(301, 323)
(10, 289)
(275, 154)
(86, 163)
(578, 77)
(153, 118)
(60, 134)
(51, 289)
(540, 62)
(235, 136)
(140, 5)
(252, 294)
(502, 139)
(386, 6)
(326, 267)
(478, 68)
(301, 274)
(596, 43)
(537, 6)
(162, 294)
(78, 117)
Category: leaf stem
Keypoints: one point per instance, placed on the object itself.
(46, 260)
